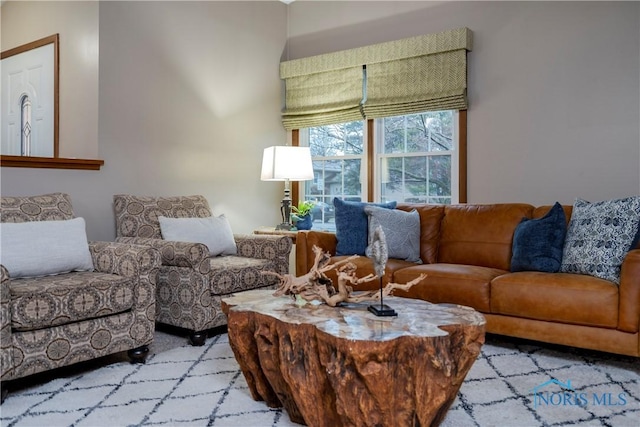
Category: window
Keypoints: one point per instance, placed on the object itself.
(25, 126)
(415, 158)
(338, 154)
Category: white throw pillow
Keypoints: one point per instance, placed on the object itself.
(215, 232)
(41, 248)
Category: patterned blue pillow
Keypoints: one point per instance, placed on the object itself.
(538, 243)
(401, 230)
(352, 228)
(599, 237)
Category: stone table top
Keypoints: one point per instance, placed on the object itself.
(354, 322)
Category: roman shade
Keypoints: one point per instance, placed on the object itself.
(423, 73)
(320, 98)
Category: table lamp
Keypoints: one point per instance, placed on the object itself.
(286, 163)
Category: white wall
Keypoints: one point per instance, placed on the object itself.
(554, 87)
(77, 24)
(189, 95)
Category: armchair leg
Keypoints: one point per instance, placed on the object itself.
(197, 338)
(5, 391)
(138, 355)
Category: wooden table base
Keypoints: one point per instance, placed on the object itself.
(344, 366)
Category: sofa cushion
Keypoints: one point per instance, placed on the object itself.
(40, 248)
(450, 283)
(401, 230)
(599, 236)
(235, 273)
(537, 243)
(480, 234)
(352, 225)
(214, 232)
(41, 302)
(556, 297)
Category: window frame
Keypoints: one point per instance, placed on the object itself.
(372, 157)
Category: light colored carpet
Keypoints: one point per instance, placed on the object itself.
(513, 383)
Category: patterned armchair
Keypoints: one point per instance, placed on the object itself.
(57, 320)
(191, 283)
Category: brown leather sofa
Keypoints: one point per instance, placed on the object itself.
(466, 253)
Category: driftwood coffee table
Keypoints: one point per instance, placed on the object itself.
(344, 366)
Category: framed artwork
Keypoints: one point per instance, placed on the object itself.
(29, 96)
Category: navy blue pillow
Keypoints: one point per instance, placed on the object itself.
(352, 227)
(538, 243)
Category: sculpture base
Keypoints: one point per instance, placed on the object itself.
(284, 226)
(382, 310)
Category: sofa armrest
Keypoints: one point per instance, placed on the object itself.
(6, 359)
(629, 293)
(305, 241)
(178, 254)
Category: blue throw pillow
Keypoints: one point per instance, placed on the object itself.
(538, 243)
(352, 227)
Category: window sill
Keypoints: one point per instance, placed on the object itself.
(50, 162)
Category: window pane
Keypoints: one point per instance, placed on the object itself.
(337, 140)
(333, 177)
(394, 134)
(354, 137)
(415, 177)
(440, 127)
(418, 133)
(352, 184)
(392, 179)
(440, 176)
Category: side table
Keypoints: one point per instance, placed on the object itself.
(273, 232)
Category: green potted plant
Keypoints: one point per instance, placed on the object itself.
(301, 215)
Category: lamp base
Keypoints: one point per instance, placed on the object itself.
(284, 226)
(382, 310)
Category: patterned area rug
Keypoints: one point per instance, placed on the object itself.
(513, 383)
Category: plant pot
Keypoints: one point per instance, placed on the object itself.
(304, 223)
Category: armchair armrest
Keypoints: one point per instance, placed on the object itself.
(6, 361)
(305, 241)
(178, 254)
(4, 274)
(629, 293)
(274, 248)
(263, 246)
(141, 262)
(124, 259)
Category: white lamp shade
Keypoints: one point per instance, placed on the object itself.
(281, 163)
